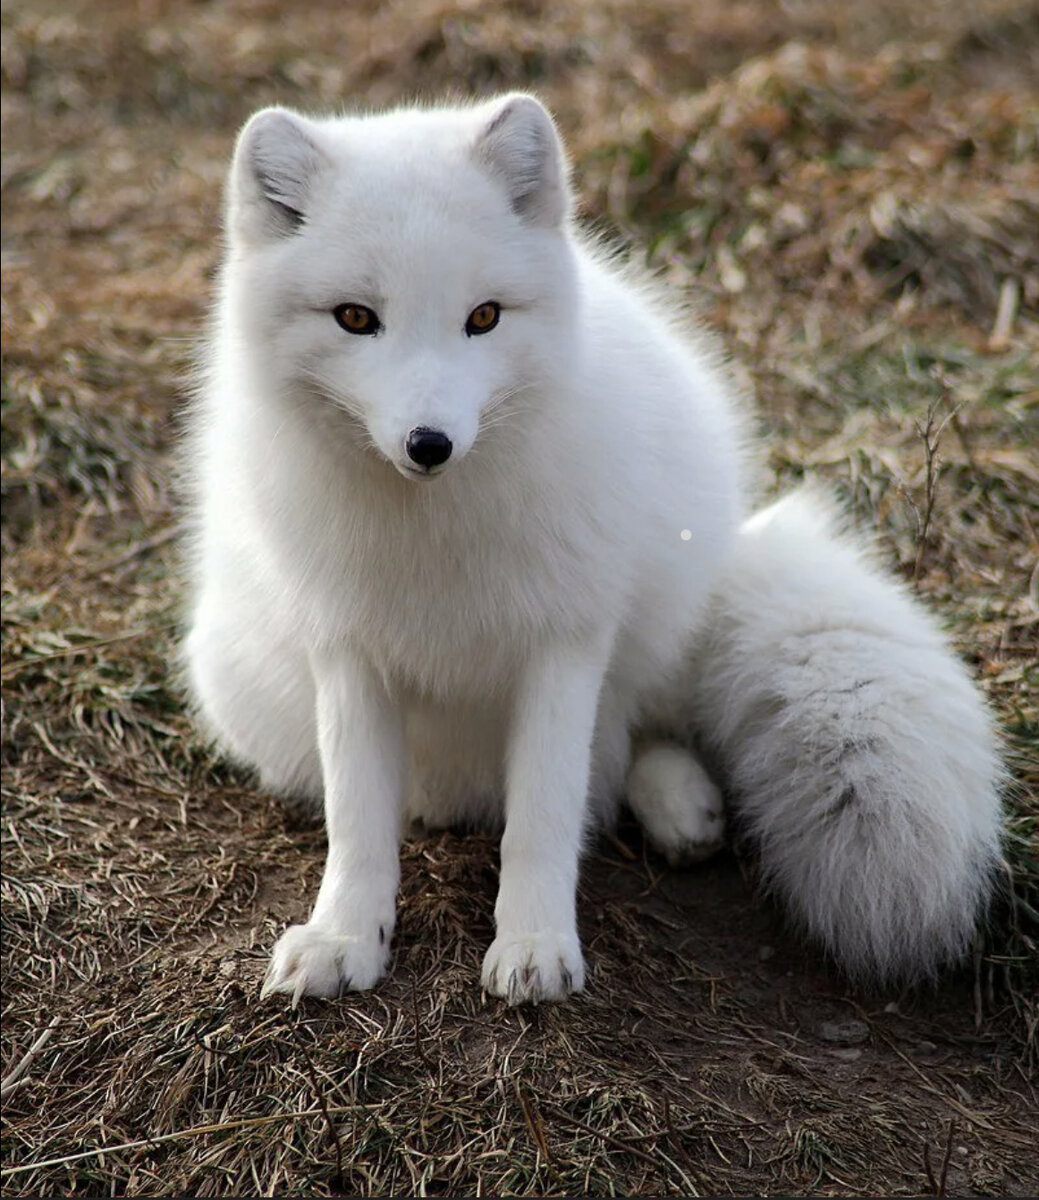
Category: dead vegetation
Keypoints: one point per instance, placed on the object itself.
(851, 194)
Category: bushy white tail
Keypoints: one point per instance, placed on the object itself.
(858, 753)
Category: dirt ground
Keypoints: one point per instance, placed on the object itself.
(850, 195)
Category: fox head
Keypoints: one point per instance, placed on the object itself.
(414, 268)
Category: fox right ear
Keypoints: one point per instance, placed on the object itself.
(520, 146)
(276, 162)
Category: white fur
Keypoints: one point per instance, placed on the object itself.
(480, 642)
(679, 806)
(859, 755)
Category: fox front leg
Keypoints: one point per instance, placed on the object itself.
(346, 943)
(536, 954)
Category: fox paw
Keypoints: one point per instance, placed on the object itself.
(678, 805)
(311, 961)
(529, 968)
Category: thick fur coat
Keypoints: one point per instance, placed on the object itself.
(471, 545)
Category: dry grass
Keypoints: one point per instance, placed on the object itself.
(852, 194)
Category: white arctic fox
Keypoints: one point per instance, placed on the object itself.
(471, 546)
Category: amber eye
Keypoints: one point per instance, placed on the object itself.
(483, 318)
(355, 318)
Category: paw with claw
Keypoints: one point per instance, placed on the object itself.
(309, 960)
(533, 967)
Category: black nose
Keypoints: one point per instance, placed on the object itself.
(428, 447)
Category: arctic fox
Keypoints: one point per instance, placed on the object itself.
(471, 546)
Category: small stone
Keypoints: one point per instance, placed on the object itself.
(891, 1008)
(790, 220)
(732, 275)
(926, 1047)
(846, 1033)
(846, 1053)
(766, 952)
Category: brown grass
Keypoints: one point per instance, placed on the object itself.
(851, 194)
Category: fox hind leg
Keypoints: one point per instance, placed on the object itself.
(677, 803)
(257, 697)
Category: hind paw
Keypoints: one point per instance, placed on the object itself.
(678, 805)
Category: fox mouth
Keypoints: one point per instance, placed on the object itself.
(410, 472)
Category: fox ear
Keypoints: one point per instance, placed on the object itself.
(275, 166)
(520, 146)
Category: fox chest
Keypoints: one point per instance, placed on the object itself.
(451, 617)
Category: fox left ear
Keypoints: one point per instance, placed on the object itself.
(521, 147)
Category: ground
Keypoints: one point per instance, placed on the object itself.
(849, 194)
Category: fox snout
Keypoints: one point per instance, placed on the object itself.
(422, 435)
(428, 448)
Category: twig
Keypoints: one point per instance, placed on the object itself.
(179, 1135)
(333, 1133)
(1006, 311)
(931, 435)
(618, 1143)
(145, 546)
(948, 1155)
(532, 1120)
(673, 1138)
(419, 1048)
(13, 1077)
(16, 668)
(976, 1118)
(932, 1183)
(937, 1186)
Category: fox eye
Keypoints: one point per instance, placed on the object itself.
(483, 318)
(355, 318)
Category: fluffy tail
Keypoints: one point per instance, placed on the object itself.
(859, 755)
